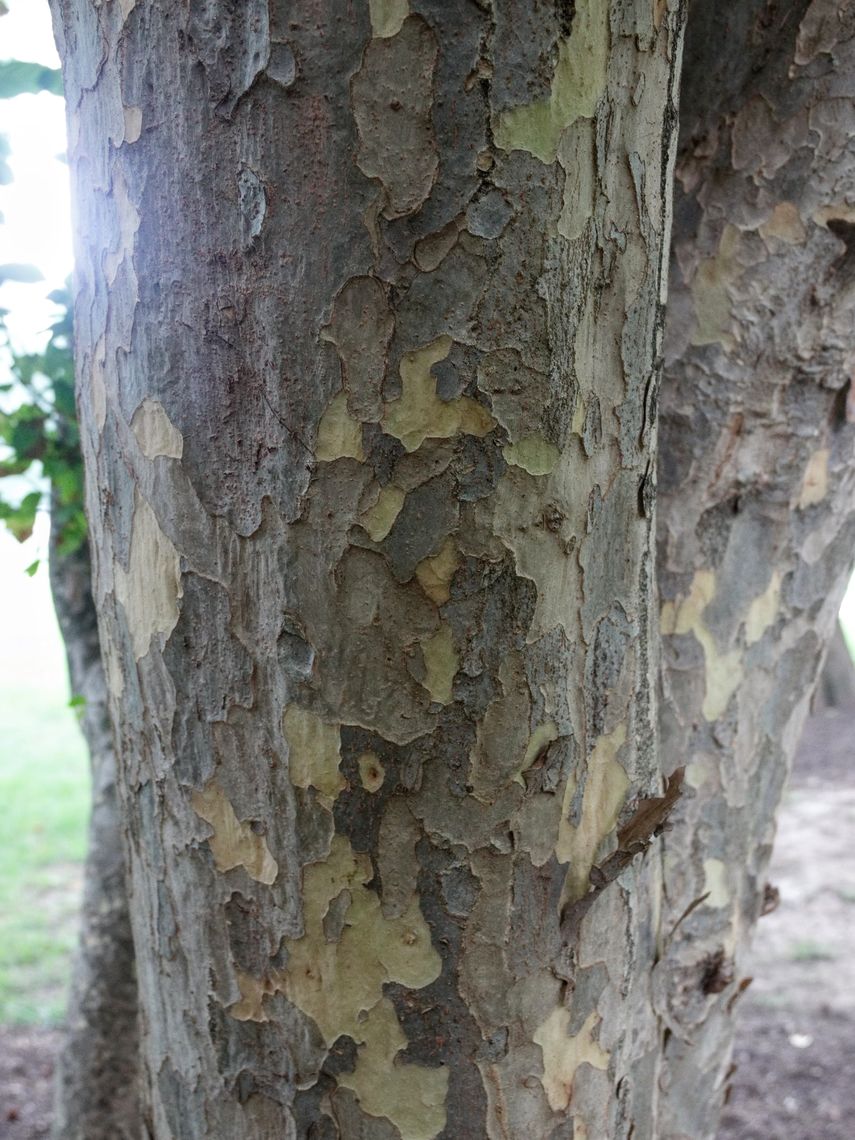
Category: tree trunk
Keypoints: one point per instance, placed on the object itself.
(368, 316)
(97, 1075)
(756, 480)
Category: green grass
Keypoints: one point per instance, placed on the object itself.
(43, 799)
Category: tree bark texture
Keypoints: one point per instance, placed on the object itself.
(369, 311)
(756, 481)
(97, 1072)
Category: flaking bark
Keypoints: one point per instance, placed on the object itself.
(756, 481)
(369, 313)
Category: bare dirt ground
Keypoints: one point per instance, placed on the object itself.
(795, 1053)
(795, 1050)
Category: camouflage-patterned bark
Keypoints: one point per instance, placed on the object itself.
(369, 311)
(756, 481)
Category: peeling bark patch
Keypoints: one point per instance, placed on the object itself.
(711, 295)
(536, 455)
(763, 610)
(785, 223)
(371, 772)
(815, 481)
(391, 96)
(231, 39)
(234, 842)
(606, 786)
(340, 986)
(339, 434)
(577, 85)
(313, 752)
(99, 389)
(282, 66)
(379, 519)
(129, 222)
(361, 327)
(435, 574)
(155, 433)
(723, 671)
(252, 201)
(387, 16)
(441, 662)
(133, 124)
(150, 589)
(419, 414)
(563, 1054)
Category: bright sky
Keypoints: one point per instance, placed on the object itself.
(36, 227)
(36, 230)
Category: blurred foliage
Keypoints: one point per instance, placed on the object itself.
(39, 438)
(18, 77)
(39, 435)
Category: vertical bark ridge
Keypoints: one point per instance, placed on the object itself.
(369, 315)
(756, 518)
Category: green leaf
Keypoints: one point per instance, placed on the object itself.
(19, 77)
(32, 568)
(21, 519)
(77, 701)
(24, 273)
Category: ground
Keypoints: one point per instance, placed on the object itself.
(796, 1022)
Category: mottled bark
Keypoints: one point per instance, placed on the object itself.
(756, 481)
(368, 317)
(97, 1071)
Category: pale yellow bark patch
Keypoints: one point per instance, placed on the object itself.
(371, 772)
(112, 667)
(314, 752)
(99, 388)
(723, 671)
(605, 793)
(379, 519)
(543, 557)
(234, 843)
(133, 123)
(577, 155)
(340, 986)
(339, 434)
(434, 574)
(544, 734)
(577, 85)
(534, 454)
(763, 610)
(815, 481)
(838, 211)
(716, 884)
(441, 662)
(563, 1054)
(413, 1101)
(785, 224)
(710, 292)
(252, 994)
(129, 223)
(150, 588)
(155, 432)
(387, 16)
(419, 414)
